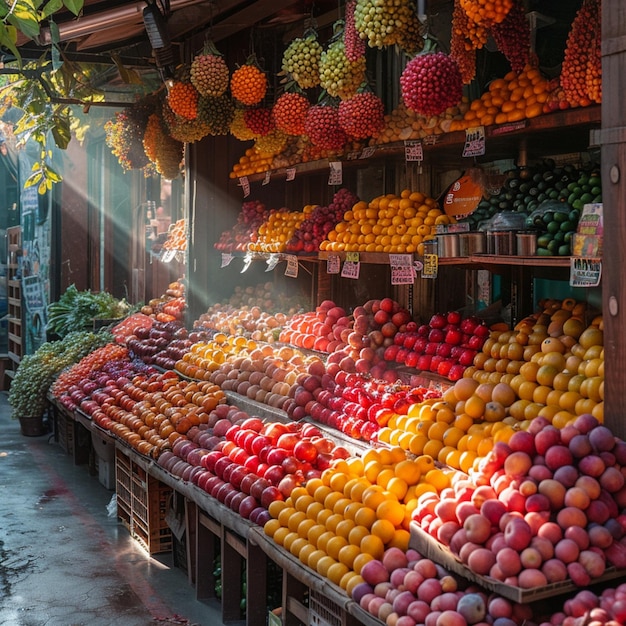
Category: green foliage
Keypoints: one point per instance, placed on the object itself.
(36, 372)
(77, 309)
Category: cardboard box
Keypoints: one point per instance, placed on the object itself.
(274, 617)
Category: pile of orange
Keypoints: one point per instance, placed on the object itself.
(513, 98)
(388, 223)
(279, 228)
(253, 161)
(358, 508)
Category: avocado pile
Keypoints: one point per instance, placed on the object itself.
(551, 197)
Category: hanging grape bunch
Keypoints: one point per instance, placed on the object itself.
(209, 72)
(384, 23)
(289, 112)
(217, 112)
(431, 83)
(362, 116)
(301, 60)
(248, 84)
(338, 76)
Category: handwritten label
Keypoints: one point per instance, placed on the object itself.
(368, 152)
(168, 256)
(402, 275)
(244, 183)
(352, 256)
(291, 173)
(227, 257)
(336, 173)
(333, 264)
(266, 178)
(292, 266)
(413, 151)
(350, 269)
(400, 260)
(585, 272)
(474, 142)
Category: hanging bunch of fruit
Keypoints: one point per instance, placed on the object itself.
(217, 112)
(259, 120)
(289, 112)
(431, 82)
(355, 46)
(182, 98)
(248, 83)
(466, 37)
(322, 126)
(581, 72)
(362, 115)
(339, 76)
(163, 150)
(301, 60)
(209, 73)
(385, 23)
(512, 36)
(487, 12)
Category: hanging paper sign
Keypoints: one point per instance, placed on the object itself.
(333, 264)
(431, 266)
(418, 266)
(267, 178)
(247, 260)
(336, 173)
(272, 262)
(585, 272)
(474, 142)
(292, 266)
(244, 183)
(291, 173)
(352, 156)
(462, 197)
(227, 257)
(368, 152)
(352, 256)
(350, 269)
(402, 271)
(413, 151)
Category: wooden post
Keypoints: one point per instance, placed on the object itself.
(613, 140)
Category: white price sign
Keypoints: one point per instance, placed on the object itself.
(292, 266)
(244, 183)
(333, 264)
(227, 257)
(336, 173)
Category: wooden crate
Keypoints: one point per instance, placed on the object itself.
(142, 504)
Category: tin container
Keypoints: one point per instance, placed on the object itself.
(448, 245)
(526, 243)
(501, 242)
(472, 243)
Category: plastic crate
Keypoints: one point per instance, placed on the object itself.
(323, 611)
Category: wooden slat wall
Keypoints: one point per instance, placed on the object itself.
(614, 198)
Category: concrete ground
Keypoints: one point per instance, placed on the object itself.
(64, 561)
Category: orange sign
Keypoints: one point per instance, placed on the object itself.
(462, 197)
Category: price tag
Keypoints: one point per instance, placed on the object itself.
(351, 269)
(585, 272)
(352, 257)
(244, 183)
(336, 173)
(333, 264)
(227, 257)
(292, 266)
(413, 151)
(168, 256)
(402, 271)
(266, 178)
(367, 152)
(247, 261)
(474, 142)
(352, 156)
(291, 173)
(272, 262)
(431, 266)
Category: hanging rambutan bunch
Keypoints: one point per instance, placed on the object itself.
(289, 112)
(362, 116)
(248, 84)
(431, 82)
(209, 72)
(322, 127)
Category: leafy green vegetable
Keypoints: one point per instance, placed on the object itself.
(76, 310)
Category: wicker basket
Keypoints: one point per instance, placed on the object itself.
(32, 426)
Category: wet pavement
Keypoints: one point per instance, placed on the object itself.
(64, 561)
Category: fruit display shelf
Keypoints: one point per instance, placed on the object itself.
(431, 548)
